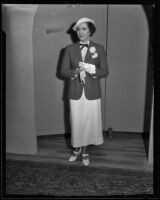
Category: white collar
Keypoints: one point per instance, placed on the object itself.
(85, 43)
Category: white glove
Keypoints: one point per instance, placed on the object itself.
(91, 69)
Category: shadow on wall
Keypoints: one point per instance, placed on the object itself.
(74, 39)
(72, 33)
(65, 93)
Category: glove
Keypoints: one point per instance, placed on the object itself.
(91, 69)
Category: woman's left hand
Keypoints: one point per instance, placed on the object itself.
(88, 67)
(83, 65)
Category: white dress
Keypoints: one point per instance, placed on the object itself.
(86, 120)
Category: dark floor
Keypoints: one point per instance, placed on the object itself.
(123, 150)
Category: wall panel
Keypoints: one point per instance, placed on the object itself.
(20, 113)
(127, 58)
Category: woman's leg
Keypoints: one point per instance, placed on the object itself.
(85, 156)
(77, 149)
(84, 149)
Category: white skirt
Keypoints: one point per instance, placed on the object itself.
(86, 122)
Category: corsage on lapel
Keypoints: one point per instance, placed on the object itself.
(93, 52)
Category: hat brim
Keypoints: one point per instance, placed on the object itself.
(82, 20)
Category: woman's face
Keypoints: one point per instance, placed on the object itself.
(83, 32)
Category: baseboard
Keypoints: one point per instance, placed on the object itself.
(125, 128)
(50, 132)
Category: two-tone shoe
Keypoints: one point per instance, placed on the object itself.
(74, 155)
(85, 159)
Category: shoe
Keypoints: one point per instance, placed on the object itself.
(85, 159)
(74, 155)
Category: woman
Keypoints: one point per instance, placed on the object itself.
(84, 63)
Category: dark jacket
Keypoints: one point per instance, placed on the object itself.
(72, 56)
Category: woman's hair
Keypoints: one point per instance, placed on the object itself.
(91, 27)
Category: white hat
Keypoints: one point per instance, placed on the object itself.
(82, 20)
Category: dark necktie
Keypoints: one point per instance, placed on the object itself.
(83, 45)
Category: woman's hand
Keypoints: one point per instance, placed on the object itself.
(77, 71)
(83, 65)
(90, 68)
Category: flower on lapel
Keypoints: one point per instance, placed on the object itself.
(95, 55)
(92, 49)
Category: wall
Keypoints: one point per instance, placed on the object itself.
(127, 58)
(36, 34)
(20, 114)
(50, 37)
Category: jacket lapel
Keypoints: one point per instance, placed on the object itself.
(78, 52)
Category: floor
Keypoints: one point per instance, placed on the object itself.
(121, 150)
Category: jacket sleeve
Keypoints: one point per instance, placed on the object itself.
(66, 70)
(102, 69)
